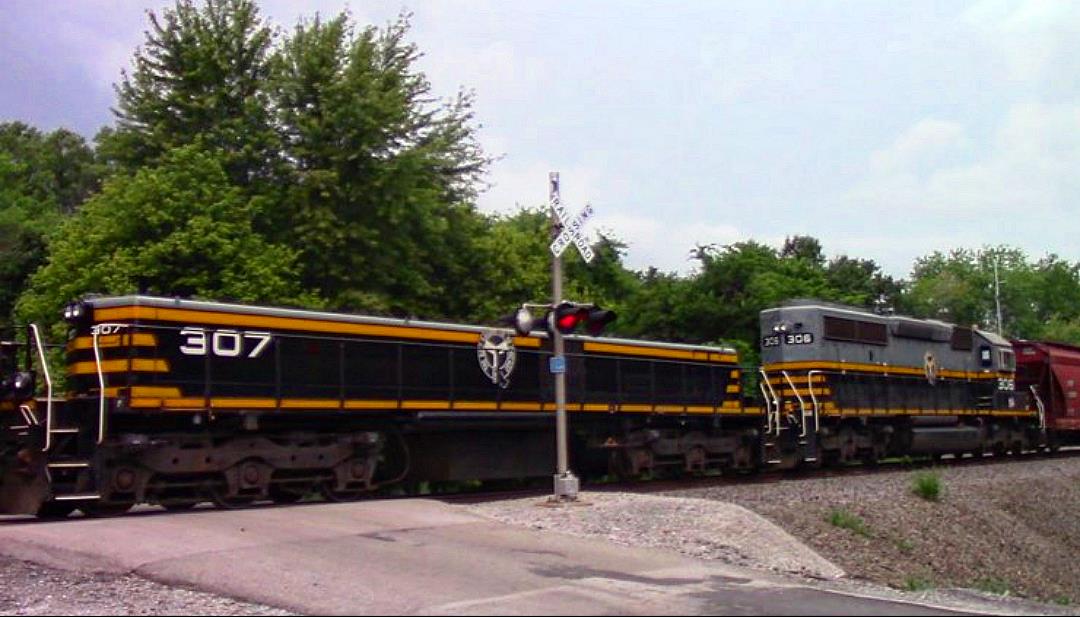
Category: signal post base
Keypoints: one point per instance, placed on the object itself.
(566, 487)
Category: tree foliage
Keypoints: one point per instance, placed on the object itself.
(1039, 299)
(382, 177)
(179, 228)
(43, 177)
(198, 79)
(721, 302)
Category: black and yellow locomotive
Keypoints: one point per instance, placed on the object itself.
(175, 402)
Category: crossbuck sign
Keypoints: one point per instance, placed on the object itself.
(572, 229)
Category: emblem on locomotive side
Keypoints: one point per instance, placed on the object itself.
(497, 356)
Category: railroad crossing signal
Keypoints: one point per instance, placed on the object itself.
(564, 318)
(572, 229)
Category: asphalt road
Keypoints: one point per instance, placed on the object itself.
(412, 557)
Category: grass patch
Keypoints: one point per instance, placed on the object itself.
(917, 583)
(927, 484)
(843, 519)
(905, 545)
(1063, 600)
(992, 585)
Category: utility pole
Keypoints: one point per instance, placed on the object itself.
(566, 483)
(997, 295)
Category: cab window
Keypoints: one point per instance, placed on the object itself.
(1008, 360)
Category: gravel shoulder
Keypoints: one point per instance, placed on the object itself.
(1003, 537)
(32, 589)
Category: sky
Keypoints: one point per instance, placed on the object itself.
(885, 129)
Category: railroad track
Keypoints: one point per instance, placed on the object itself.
(666, 485)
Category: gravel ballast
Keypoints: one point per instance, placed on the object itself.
(31, 589)
(1004, 529)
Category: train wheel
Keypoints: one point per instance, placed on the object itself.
(340, 496)
(871, 457)
(104, 510)
(55, 510)
(229, 502)
(283, 496)
(179, 506)
(695, 460)
(621, 466)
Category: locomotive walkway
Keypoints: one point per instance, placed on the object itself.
(412, 557)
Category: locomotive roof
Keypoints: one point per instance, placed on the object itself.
(833, 307)
(247, 309)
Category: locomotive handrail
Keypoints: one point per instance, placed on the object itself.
(29, 416)
(48, 386)
(96, 331)
(768, 408)
(813, 397)
(775, 401)
(1041, 408)
(802, 404)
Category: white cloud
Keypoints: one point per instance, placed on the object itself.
(929, 138)
(663, 243)
(1018, 187)
(1039, 40)
(1029, 164)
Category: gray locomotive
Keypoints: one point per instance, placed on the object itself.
(842, 384)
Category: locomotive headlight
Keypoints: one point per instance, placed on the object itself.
(75, 312)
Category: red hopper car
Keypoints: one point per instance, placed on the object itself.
(1051, 372)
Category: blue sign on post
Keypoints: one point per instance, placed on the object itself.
(557, 364)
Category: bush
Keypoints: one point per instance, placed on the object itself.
(917, 583)
(993, 585)
(843, 519)
(927, 485)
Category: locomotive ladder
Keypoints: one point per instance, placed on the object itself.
(810, 453)
(772, 415)
(67, 469)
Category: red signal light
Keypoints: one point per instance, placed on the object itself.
(567, 323)
(568, 316)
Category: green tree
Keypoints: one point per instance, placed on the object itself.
(383, 176)
(43, 177)
(664, 306)
(806, 248)
(516, 268)
(952, 287)
(199, 78)
(860, 282)
(1038, 299)
(177, 229)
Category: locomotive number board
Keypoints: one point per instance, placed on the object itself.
(774, 340)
